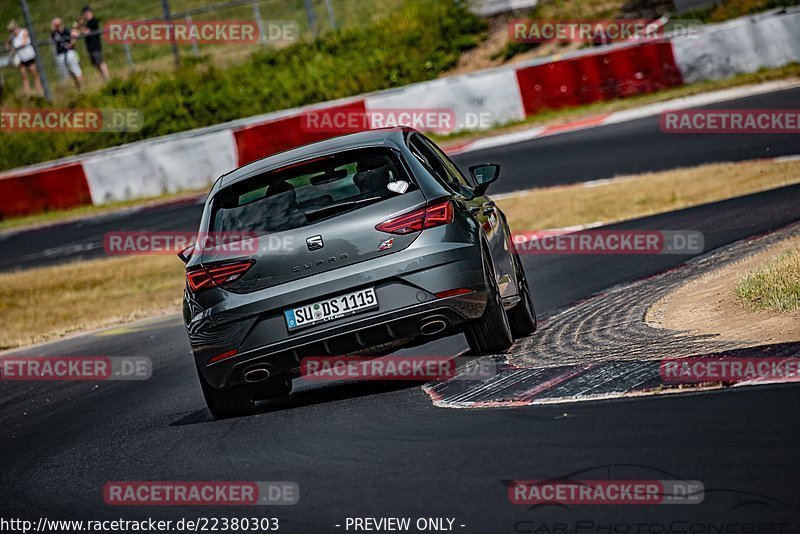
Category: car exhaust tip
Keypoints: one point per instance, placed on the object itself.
(431, 328)
(258, 374)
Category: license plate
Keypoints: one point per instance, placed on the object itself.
(331, 309)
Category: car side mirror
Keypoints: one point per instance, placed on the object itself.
(484, 175)
(186, 254)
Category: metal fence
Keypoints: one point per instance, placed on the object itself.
(312, 18)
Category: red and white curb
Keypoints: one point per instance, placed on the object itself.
(512, 386)
(617, 117)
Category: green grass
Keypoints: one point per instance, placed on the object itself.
(562, 10)
(773, 286)
(418, 42)
(730, 9)
(348, 14)
(610, 9)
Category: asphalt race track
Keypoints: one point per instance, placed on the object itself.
(383, 449)
(634, 147)
(603, 152)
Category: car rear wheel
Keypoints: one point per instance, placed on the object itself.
(523, 315)
(492, 332)
(225, 403)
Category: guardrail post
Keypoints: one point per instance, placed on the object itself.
(312, 18)
(26, 13)
(331, 14)
(168, 18)
(128, 55)
(262, 37)
(195, 48)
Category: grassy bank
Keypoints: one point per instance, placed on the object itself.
(730, 9)
(348, 14)
(417, 42)
(775, 285)
(51, 302)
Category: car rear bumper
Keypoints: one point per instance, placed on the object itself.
(406, 284)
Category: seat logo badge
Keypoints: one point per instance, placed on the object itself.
(314, 242)
(386, 245)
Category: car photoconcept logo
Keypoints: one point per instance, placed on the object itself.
(314, 242)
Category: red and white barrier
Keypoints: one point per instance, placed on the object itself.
(739, 46)
(480, 100)
(45, 188)
(151, 168)
(271, 136)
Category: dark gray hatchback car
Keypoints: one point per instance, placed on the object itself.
(357, 245)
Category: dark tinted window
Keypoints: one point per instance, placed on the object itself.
(306, 193)
(450, 168)
(437, 162)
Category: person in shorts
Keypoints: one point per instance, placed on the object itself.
(94, 44)
(67, 61)
(25, 57)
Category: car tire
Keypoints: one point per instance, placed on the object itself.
(523, 315)
(226, 403)
(491, 334)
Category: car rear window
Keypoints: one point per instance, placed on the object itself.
(308, 192)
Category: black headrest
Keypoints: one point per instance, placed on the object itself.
(279, 187)
(371, 164)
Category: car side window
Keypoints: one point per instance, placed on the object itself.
(450, 167)
(429, 159)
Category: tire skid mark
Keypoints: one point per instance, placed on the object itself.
(600, 347)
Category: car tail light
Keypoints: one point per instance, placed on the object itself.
(454, 292)
(217, 275)
(223, 356)
(418, 220)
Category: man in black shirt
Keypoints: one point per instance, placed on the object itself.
(67, 60)
(94, 44)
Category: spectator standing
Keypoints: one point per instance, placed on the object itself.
(67, 60)
(25, 55)
(94, 43)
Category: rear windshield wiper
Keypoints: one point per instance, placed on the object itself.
(321, 213)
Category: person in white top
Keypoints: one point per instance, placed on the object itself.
(25, 56)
